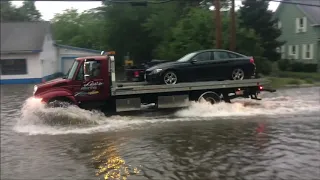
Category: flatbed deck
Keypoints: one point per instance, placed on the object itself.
(143, 88)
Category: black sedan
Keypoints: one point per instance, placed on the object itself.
(203, 65)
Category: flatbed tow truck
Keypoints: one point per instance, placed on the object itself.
(89, 90)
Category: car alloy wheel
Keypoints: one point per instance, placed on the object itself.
(170, 78)
(237, 74)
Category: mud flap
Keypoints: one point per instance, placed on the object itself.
(175, 101)
(128, 104)
(255, 96)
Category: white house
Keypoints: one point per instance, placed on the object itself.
(30, 55)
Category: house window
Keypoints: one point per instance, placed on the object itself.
(301, 24)
(13, 66)
(293, 51)
(308, 51)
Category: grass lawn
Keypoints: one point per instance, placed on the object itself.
(283, 79)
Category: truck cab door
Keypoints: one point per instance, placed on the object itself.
(93, 87)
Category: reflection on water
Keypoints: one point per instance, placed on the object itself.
(110, 164)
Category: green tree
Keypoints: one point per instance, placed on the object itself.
(125, 31)
(193, 32)
(84, 30)
(9, 12)
(197, 31)
(255, 15)
(27, 12)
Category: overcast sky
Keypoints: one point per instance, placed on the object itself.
(49, 8)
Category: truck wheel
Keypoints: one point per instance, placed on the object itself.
(237, 74)
(170, 77)
(211, 97)
(59, 103)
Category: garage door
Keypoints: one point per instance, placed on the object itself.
(66, 64)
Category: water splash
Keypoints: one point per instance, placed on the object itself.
(36, 119)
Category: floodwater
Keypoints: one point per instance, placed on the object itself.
(276, 138)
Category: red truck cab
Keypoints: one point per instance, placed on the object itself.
(88, 80)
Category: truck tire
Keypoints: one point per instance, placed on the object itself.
(210, 97)
(59, 102)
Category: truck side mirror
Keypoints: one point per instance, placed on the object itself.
(87, 70)
(86, 77)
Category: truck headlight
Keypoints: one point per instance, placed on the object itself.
(156, 71)
(35, 88)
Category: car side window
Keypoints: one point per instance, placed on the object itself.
(232, 55)
(204, 56)
(221, 55)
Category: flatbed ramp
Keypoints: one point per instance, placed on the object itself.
(142, 88)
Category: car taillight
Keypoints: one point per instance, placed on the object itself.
(136, 74)
(252, 60)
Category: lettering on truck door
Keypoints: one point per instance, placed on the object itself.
(93, 87)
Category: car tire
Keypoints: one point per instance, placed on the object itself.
(237, 74)
(170, 78)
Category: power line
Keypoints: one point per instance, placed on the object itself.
(138, 2)
(167, 1)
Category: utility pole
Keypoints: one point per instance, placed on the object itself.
(232, 27)
(218, 24)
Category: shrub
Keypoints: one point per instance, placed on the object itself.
(264, 66)
(288, 65)
(284, 64)
(297, 67)
(310, 67)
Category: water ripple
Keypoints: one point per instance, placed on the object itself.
(278, 138)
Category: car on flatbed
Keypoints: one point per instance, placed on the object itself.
(203, 65)
(136, 73)
(91, 84)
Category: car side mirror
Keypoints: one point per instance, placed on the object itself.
(193, 61)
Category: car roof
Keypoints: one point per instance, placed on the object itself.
(225, 50)
(203, 50)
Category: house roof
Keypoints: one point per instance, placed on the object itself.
(78, 48)
(312, 12)
(23, 36)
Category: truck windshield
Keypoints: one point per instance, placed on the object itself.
(72, 70)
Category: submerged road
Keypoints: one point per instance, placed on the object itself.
(276, 138)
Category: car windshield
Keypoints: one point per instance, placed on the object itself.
(186, 57)
(72, 70)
